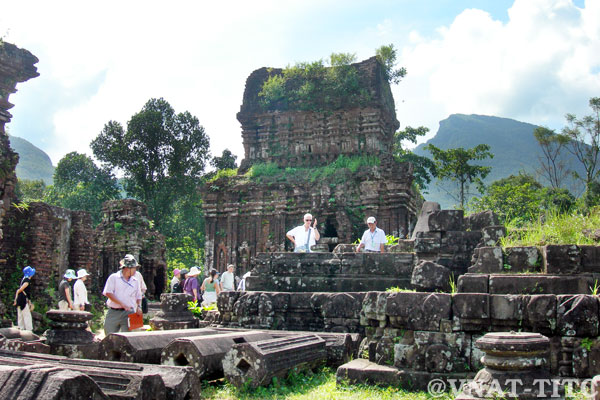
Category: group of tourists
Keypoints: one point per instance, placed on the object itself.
(206, 293)
(305, 236)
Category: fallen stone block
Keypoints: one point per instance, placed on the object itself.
(487, 260)
(144, 347)
(418, 311)
(522, 259)
(539, 284)
(561, 259)
(577, 315)
(430, 277)
(480, 220)
(256, 364)
(121, 380)
(205, 353)
(473, 283)
(446, 220)
(470, 311)
(47, 382)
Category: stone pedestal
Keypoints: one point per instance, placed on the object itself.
(68, 335)
(69, 327)
(174, 313)
(515, 366)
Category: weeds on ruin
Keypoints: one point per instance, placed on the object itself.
(339, 170)
(453, 286)
(595, 289)
(553, 228)
(318, 385)
(396, 289)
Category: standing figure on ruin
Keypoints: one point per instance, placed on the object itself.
(80, 295)
(373, 240)
(65, 302)
(304, 236)
(124, 296)
(23, 300)
(228, 279)
(211, 288)
(191, 283)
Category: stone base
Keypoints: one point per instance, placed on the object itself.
(21, 345)
(364, 371)
(87, 351)
(526, 283)
(69, 336)
(159, 324)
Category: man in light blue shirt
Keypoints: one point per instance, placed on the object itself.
(124, 294)
(373, 240)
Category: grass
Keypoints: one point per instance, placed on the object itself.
(553, 228)
(342, 166)
(310, 386)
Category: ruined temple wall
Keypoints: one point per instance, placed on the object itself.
(16, 65)
(249, 218)
(126, 229)
(51, 239)
(293, 137)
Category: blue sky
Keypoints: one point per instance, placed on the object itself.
(531, 60)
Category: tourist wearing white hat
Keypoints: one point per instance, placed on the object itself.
(64, 291)
(191, 285)
(373, 240)
(80, 297)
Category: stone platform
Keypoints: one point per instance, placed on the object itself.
(331, 272)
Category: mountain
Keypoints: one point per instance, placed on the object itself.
(511, 142)
(33, 164)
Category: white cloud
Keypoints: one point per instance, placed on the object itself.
(535, 67)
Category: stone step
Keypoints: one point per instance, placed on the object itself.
(527, 283)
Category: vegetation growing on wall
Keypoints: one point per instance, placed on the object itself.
(324, 86)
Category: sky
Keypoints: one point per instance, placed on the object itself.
(530, 60)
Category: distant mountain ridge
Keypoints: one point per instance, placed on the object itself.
(512, 142)
(34, 163)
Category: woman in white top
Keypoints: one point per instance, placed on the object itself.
(80, 297)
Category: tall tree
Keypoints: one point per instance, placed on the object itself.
(552, 164)
(30, 190)
(584, 144)
(453, 164)
(387, 56)
(424, 168)
(162, 155)
(81, 185)
(226, 161)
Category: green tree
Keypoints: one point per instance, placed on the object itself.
(387, 56)
(584, 143)
(28, 190)
(226, 161)
(81, 185)
(162, 155)
(521, 198)
(424, 168)
(552, 165)
(453, 164)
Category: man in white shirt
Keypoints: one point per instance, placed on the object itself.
(228, 279)
(373, 240)
(124, 296)
(303, 236)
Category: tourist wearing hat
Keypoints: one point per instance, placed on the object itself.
(175, 280)
(80, 297)
(178, 287)
(64, 291)
(23, 300)
(191, 285)
(373, 240)
(124, 296)
(211, 288)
